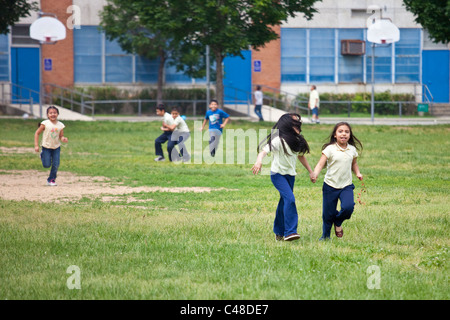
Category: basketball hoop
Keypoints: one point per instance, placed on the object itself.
(47, 30)
(383, 31)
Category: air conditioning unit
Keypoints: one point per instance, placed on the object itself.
(353, 47)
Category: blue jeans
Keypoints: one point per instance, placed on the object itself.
(286, 218)
(330, 215)
(165, 136)
(178, 138)
(258, 112)
(214, 139)
(51, 158)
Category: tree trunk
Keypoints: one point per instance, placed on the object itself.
(219, 77)
(162, 62)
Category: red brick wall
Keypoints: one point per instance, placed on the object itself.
(270, 56)
(61, 53)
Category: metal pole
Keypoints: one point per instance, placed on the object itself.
(372, 107)
(207, 78)
(40, 81)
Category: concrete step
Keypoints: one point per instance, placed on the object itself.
(64, 114)
(440, 109)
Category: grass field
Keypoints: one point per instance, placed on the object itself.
(220, 245)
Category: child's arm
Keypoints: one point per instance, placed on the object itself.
(355, 169)
(36, 137)
(305, 163)
(258, 164)
(170, 127)
(225, 122)
(61, 136)
(322, 161)
(204, 123)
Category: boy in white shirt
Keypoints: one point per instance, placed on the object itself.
(180, 133)
(166, 135)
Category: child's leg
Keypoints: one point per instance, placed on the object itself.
(160, 140)
(55, 159)
(347, 205)
(46, 157)
(286, 211)
(214, 139)
(182, 145)
(329, 212)
(175, 138)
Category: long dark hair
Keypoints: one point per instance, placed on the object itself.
(354, 141)
(284, 129)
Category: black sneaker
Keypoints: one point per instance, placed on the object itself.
(160, 158)
(278, 237)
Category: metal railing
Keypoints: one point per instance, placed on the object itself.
(12, 93)
(348, 107)
(68, 98)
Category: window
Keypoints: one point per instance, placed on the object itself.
(118, 64)
(87, 55)
(314, 55)
(4, 58)
(321, 55)
(350, 67)
(407, 56)
(293, 54)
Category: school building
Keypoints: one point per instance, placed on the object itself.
(330, 51)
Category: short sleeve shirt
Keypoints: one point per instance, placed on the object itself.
(282, 163)
(339, 165)
(50, 136)
(258, 97)
(181, 125)
(313, 96)
(168, 119)
(216, 118)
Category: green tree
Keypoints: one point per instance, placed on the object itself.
(229, 26)
(12, 11)
(433, 15)
(147, 28)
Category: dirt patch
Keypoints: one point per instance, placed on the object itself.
(14, 150)
(31, 185)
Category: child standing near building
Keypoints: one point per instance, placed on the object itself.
(167, 133)
(287, 145)
(180, 133)
(51, 142)
(218, 119)
(340, 155)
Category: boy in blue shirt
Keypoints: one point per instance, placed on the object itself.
(216, 117)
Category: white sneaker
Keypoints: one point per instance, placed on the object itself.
(160, 158)
(52, 183)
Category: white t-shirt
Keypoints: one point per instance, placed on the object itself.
(50, 136)
(339, 165)
(168, 119)
(258, 98)
(282, 163)
(313, 96)
(181, 125)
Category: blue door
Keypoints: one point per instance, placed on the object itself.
(237, 78)
(435, 73)
(25, 73)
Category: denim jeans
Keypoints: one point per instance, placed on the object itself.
(214, 139)
(286, 218)
(178, 138)
(51, 158)
(258, 112)
(330, 215)
(165, 136)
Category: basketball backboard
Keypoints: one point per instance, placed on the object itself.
(383, 31)
(47, 30)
